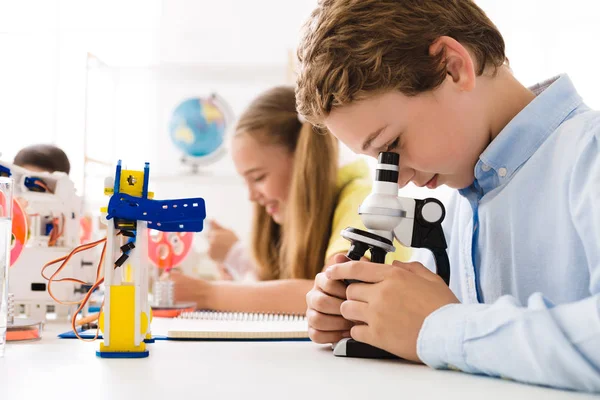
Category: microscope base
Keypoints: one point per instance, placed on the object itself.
(352, 348)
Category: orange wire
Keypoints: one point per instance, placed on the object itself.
(65, 258)
(77, 249)
(42, 185)
(61, 231)
(84, 302)
(89, 318)
(64, 264)
(86, 298)
(81, 306)
(53, 237)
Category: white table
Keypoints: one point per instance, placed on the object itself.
(55, 368)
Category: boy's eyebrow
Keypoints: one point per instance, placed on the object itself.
(372, 137)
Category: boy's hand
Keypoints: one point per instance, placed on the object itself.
(392, 306)
(220, 240)
(325, 323)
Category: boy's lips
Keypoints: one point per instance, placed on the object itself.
(432, 184)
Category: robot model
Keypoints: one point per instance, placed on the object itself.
(46, 225)
(126, 314)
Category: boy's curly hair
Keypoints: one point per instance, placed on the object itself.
(354, 48)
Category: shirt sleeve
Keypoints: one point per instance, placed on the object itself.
(539, 343)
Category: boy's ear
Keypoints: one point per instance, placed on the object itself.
(457, 61)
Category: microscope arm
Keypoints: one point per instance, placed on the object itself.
(422, 228)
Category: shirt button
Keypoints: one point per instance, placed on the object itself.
(502, 172)
(485, 167)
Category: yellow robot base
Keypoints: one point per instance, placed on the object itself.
(122, 325)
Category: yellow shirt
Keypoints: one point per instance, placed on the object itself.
(354, 184)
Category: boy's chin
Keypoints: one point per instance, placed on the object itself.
(458, 183)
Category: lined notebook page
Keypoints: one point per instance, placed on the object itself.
(233, 325)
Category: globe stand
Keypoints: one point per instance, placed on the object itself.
(195, 163)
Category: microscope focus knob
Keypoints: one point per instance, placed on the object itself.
(432, 211)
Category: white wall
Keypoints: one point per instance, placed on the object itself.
(154, 54)
(158, 51)
(230, 47)
(547, 37)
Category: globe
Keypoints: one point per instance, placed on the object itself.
(197, 127)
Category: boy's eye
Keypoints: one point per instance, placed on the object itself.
(393, 145)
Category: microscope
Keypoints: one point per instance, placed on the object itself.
(51, 221)
(414, 223)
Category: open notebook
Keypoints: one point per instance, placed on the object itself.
(212, 325)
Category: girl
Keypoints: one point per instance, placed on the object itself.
(302, 202)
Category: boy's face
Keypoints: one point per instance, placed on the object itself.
(438, 134)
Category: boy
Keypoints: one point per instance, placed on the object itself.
(43, 158)
(429, 80)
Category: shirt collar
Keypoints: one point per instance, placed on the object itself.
(555, 99)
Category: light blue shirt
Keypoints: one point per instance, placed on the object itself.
(525, 240)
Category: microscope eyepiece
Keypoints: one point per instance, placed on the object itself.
(387, 157)
(387, 167)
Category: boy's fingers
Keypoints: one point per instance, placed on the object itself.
(331, 287)
(329, 323)
(417, 269)
(361, 333)
(326, 337)
(340, 258)
(360, 291)
(323, 303)
(358, 270)
(355, 311)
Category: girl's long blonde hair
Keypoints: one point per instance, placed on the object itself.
(296, 249)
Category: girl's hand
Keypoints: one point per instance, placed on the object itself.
(220, 241)
(188, 289)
